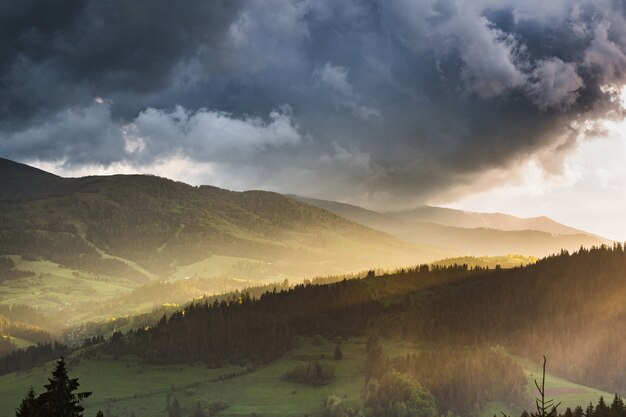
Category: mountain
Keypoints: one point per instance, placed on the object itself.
(468, 219)
(19, 181)
(140, 228)
(458, 230)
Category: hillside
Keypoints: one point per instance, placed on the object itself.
(467, 233)
(126, 230)
(262, 391)
(516, 308)
(470, 338)
(468, 219)
(19, 181)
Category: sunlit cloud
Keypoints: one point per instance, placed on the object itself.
(589, 192)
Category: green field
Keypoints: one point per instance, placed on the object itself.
(566, 392)
(54, 287)
(125, 384)
(21, 343)
(231, 267)
(560, 390)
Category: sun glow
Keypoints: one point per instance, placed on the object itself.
(588, 192)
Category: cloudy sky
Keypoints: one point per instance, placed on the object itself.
(490, 105)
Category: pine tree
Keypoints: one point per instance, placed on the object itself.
(338, 353)
(545, 408)
(100, 414)
(60, 400)
(28, 407)
(174, 409)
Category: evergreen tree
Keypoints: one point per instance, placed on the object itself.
(174, 409)
(28, 407)
(338, 353)
(100, 414)
(60, 400)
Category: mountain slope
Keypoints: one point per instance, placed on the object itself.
(140, 227)
(19, 181)
(467, 219)
(446, 313)
(535, 237)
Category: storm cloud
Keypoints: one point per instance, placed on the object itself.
(368, 101)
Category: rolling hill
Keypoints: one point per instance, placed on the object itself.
(69, 244)
(472, 338)
(115, 233)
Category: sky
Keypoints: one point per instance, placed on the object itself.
(487, 105)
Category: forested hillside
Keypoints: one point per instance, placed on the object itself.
(445, 309)
(136, 228)
(463, 324)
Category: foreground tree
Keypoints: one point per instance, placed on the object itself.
(28, 407)
(59, 399)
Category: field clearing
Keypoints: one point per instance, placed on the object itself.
(217, 266)
(568, 393)
(126, 385)
(21, 343)
(54, 287)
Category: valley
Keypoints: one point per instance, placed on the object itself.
(214, 297)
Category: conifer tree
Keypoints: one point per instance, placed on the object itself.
(28, 407)
(174, 410)
(60, 399)
(338, 353)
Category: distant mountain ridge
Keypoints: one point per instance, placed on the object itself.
(139, 227)
(476, 234)
(499, 221)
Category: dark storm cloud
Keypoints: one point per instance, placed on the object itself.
(358, 99)
(57, 55)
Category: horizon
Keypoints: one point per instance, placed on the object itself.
(490, 106)
(469, 205)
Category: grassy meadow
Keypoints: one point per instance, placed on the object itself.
(126, 385)
(55, 287)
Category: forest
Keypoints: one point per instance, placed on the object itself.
(467, 320)
(441, 306)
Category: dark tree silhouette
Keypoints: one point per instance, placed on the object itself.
(60, 398)
(338, 353)
(174, 409)
(28, 407)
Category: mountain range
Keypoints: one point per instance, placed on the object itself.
(98, 237)
(468, 233)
